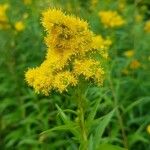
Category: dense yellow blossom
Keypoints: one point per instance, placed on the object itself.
(89, 69)
(66, 33)
(3, 16)
(19, 26)
(111, 19)
(147, 26)
(63, 79)
(129, 53)
(40, 78)
(102, 45)
(70, 46)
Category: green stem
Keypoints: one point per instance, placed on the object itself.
(81, 116)
(119, 116)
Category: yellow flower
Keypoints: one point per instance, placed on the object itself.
(40, 78)
(121, 5)
(148, 129)
(111, 19)
(19, 26)
(66, 33)
(102, 45)
(93, 3)
(70, 47)
(63, 79)
(89, 69)
(135, 64)
(3, 16)
(129, 53)
(147, 27)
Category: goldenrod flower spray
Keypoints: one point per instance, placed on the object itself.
(75, 58)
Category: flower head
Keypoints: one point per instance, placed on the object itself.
(3, 16)
(111, 19)
(135, 64)
(129, 53)
(147, 27)
(19, 26)
(148, 129)
(71, 45)
(90, 69)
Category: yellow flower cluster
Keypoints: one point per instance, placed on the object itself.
(148, 129)
(3, 16)
(71, 48)
(147, 27)
(19, 26)
(111, 19)
(129, 53)
(135, 64)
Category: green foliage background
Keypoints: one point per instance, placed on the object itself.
(24, 114)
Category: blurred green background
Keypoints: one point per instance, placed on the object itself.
(24, 114)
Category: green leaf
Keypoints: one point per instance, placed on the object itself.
(93, 111)
(64, 117)
(102, 126)
(137, 102)
(109, 147)
(72, 128)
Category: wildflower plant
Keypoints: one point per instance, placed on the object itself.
(75, 59)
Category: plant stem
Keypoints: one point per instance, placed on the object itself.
(81, 116)
(119, 116)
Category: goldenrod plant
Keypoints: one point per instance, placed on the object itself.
(74, 75)
(74, 58)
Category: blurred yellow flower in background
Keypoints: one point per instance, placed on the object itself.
(148, 129)
(19, 26)
(111, 19)
(138, 18)
(129, 53)
(135, 64)
(93, 3)
(122, 5)
(3, 16)
(147, 26)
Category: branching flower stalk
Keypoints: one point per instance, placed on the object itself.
(74, 53)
